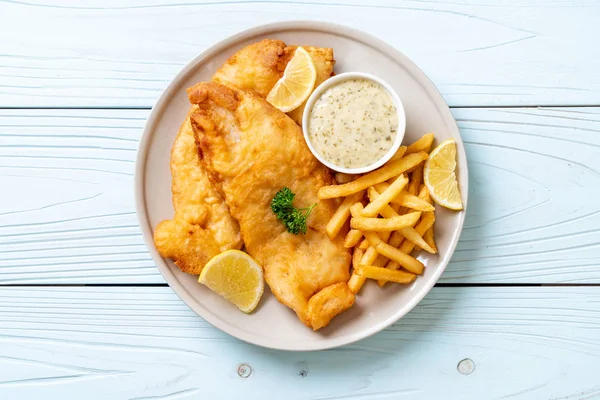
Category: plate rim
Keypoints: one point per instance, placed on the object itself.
(157, 111)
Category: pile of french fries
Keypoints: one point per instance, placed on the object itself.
(391, 215)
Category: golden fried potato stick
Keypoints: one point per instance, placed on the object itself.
(399, 154)
(356, 257)
(429, 238)
(354, 235)
(429, 235)
(423, 144)
(373, 208)
(426, 222)
(373, 272)
(416, 179)
(342, 213)
(356, 282)
(405, 199)
(408, 232)
(352, 238)
(382, 174)
(406, 261)
(395, 241)
(370, 256)
(385, 224)
(364, 245)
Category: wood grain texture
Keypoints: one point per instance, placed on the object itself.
(123, 53)
(67, 213)
(144, 343)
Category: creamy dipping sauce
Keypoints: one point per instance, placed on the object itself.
(354, 123)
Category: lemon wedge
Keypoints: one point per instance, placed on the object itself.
(296, 84)
(440, 177)
(234, 275)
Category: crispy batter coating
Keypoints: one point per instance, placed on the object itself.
(251, 151)
(259, 66)
(202, 226)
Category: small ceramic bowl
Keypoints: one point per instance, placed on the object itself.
(335, 81)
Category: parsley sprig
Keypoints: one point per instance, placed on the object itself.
(293, 218)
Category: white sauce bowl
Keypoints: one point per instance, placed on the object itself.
(335, 81)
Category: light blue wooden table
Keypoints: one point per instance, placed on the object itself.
(84, 313)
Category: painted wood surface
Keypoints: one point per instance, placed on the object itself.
(122, 53)
(144, 343)
(68, 214)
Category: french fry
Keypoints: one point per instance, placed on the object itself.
(408, 232)
(413, 236)
(356, 208)
(357, 255)
(356, 282)
(405, 199)
(382, 174)
(370, 256)
(340, 216)
(374, 272)
(352, 238)
(429, 235)
(342, 178)
(395, 241)
(373, 208)
(411, 201)
(416, 178)
(399, 154)
(385, 224)
(426, 222)
(364, 245)
(406, 261)
(423, 144)
(381, 187)
(424, 194)
(429, 238)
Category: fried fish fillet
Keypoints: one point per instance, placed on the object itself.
(260, 65)
(202, 226)
(251, 150)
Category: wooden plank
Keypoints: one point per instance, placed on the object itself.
(123, 53)
(144, 343)
(67, 211)
(534, 179)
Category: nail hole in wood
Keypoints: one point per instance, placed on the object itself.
(244, 370)
(466, 366)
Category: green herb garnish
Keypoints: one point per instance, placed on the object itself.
(293, 218)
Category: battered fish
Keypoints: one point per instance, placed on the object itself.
(251, 150)
(259, 66)
(202, 226)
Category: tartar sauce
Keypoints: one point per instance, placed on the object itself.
(353, 124)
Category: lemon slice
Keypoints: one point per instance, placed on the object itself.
(440, 177)
(296, 84)
(236, 276)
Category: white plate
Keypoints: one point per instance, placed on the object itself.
(272, 324)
